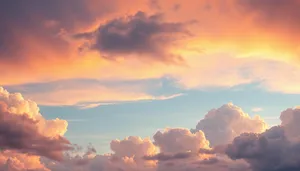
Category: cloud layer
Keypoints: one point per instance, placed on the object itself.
(30, 142)
(251, 37)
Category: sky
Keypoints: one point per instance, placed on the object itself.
(149, 85)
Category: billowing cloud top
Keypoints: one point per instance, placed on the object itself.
(180, 140)
(24, 129)
(225, 123)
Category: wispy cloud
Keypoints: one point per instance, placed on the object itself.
(77, 120)
(90, 136)
(169, 96)
(93, 105)
(271, 118)
(257, 109)
(97, 104)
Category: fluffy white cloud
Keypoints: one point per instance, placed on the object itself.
(133, 147)
(222, 125)
(175, 140)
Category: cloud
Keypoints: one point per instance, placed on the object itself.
(175, 149)
(24, 129)
(165, 157)
(133, 147)
(275, 149)
(198, 164)
(176, 140)
(14, 103)
(127, 155)
(257, 42)
(139, 34)
(222, 125)
(268, 15)
(20, 133)
(31, 33)
(14, 161)
(93, 105)
(270, 150)
(227, 32)
(257, 109)
(169, 97)
(136, 147)
(35, 39)
(35, 36)
(289, 121)
(90, 93)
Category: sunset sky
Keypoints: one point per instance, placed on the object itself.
(150, 85)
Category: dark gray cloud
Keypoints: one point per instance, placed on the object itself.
(269, 151)
(19, 132)
(209, 164)
(208, 161)
(218, 149)
(139, 34)
(165, 157)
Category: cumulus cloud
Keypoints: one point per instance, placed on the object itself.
(270, 150)
(290, 119)
(133, 147)
(24, 129)
(126, 155)
(138, 34)
(276, 149)
(222, 125)
(14, 161)
(175, 140)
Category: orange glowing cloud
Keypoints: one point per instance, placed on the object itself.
(223, 37)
